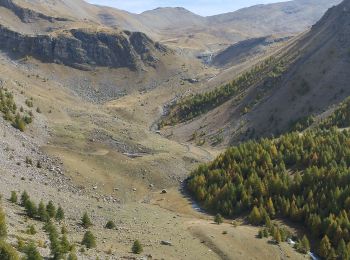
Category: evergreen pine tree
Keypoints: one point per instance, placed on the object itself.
(24, 198)
(32, 252)
(342, 250)
(89, 240)
(65, 245)
(325, 247)
(304, 245)
(42, 213)
(255, 216)
(14, 197)
(31, 209)
(59, 214)
(85, 221)
(277, 236)
(51, 210)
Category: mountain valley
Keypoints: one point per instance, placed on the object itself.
(107, 113)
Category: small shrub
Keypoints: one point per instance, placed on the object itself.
(38, 165)
(110, 225)
(218, 219)
(19, 123)
(29, 161)
(29, 103)
(137, 247)
(31, 230)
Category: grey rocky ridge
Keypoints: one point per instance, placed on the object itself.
(84, 47)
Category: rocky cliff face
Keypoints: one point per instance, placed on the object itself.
(82, 48)
(77, 43)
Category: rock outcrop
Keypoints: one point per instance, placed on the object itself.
(84, 48)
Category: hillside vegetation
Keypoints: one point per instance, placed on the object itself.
(198, 104)
(304, 178)
(8, 107)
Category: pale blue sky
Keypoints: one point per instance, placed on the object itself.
(202, 7)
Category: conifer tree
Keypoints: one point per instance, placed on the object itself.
(14, 197)
(31, 209)
(24, 198)
(304, 245)
(3, 227)
(42, 213)
(89, 240)
(65, 245)
(277, 236)
(59, 214)
(342, 250)
(255, 216)
(32, 253)
(325, 247)
(51, 210)
(85, 221)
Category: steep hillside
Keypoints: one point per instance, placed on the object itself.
(313, 77)
(245, 50)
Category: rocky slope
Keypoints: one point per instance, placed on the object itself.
(66, 41)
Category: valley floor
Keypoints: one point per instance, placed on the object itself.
(105, 160)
